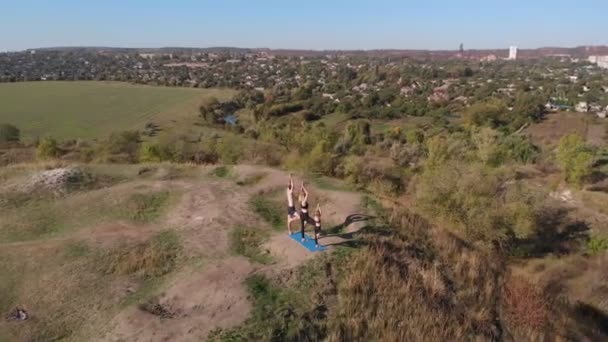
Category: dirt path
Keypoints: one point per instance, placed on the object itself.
(215, 297)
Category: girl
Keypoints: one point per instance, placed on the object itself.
(292, 214)
(317, 220)
(304, 218)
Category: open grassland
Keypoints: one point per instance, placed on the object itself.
(92, 109)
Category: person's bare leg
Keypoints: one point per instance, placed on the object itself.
(289, 224)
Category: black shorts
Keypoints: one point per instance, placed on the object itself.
(291, 211)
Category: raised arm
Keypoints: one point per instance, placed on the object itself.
(305, 192)
(290, 186)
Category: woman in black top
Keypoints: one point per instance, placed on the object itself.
(304, 217)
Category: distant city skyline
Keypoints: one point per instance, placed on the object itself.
(315, 24)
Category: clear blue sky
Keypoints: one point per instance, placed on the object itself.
(307, 24)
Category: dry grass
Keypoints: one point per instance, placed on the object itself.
(153, 258)
(407, 287)
(524, 304)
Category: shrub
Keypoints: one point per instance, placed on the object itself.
(575, 158)
(482, 204)
(597, 245)
(150, 153)
(9, 134)
(122, 145)
(488, 113)
(319, 160)
(48, 148)
(230, 149)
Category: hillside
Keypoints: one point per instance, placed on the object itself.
(127, 244)
(164, 251)
(70, 110)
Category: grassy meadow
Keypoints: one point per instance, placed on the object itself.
(92, 109)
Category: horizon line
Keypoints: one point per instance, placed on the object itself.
(299, 49)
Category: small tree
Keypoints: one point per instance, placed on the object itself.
(9, 134)
(48, 148)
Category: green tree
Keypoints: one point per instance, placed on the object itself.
(487, 113)
(528, 107)
(575, 158)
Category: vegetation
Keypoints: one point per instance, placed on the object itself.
(465, 242)
(146, 207)
(153, 258)
(94, 108)
(247, 242)
(9, 134)
(48, 148)
(270, 210)
(597, 245)
(575, 158)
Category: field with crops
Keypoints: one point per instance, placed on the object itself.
(92, 109)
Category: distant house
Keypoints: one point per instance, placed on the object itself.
(556, 107)
(595, 108)
(488, 58)
(601, 115)
(581, 107)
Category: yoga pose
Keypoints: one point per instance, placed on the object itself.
(304, 217)
(292, 214)
(317, 220)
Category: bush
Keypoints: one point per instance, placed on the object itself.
(9, 134)
(575, 158)
(482, 204)
(597, 245)
(48, 148)
(121, 146)
(230, 149)
(150, 153)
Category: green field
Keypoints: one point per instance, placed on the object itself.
(93, 109)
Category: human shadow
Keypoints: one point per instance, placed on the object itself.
(557, 234)
(354, 240)
(350, 219)
(592, 316)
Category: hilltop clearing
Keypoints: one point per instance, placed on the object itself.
(129, 248)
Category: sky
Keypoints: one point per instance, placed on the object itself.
(303, 24)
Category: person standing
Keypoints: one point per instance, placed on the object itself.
(292, 214)
(304, 217)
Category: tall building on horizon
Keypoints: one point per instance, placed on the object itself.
(513, 52)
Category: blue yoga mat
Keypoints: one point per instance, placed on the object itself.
(309, 243)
